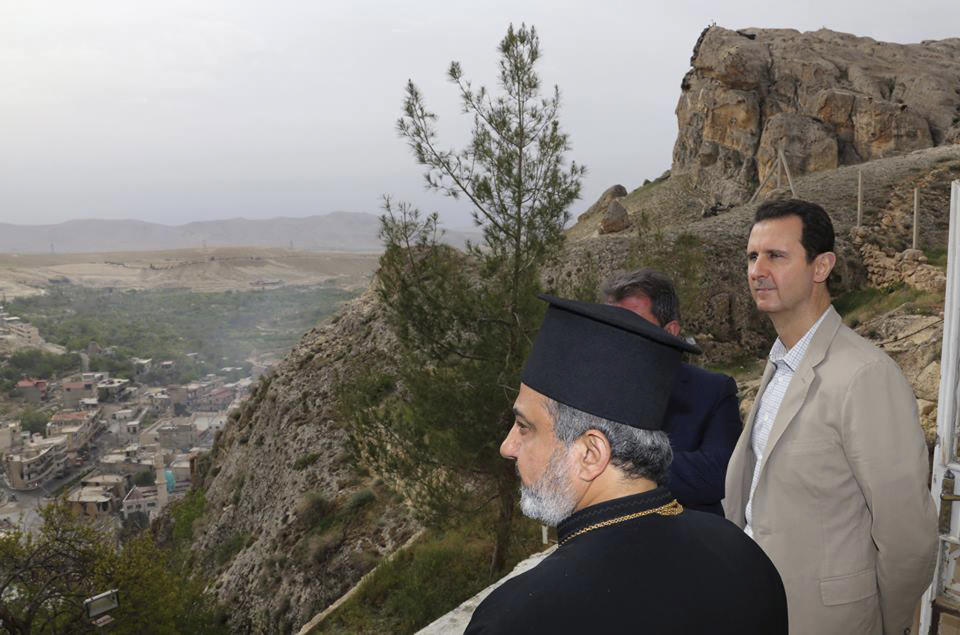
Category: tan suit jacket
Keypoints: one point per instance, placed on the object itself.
(842, 505)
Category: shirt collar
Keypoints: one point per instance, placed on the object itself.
(793, 357)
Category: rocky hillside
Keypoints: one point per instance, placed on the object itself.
(828, 99)
(292, 523)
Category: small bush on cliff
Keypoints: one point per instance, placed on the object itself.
(306, 461)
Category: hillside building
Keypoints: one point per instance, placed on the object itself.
(38, 461)
(92, 501)
(33, 390)
(78, 427)
(9, 436)
(74, 391)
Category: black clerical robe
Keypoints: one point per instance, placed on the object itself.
(620, 568)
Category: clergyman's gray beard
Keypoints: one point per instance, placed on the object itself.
(549, 499)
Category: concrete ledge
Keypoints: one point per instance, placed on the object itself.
(456, 620)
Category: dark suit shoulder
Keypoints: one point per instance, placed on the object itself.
(705, 379)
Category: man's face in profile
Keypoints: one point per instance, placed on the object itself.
(542, 461)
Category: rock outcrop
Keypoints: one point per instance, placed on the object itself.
(827, 99)
(615, 219)
(609, 195)
(292, 522)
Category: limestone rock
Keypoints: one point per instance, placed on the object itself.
(615, 219)
(852, 99)
(868, 128)
(611, 194)
(909, 267)
(808, 145)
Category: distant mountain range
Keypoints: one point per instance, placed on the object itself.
(337, 231)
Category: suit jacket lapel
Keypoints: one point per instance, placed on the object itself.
(743, 459)
(801, 381)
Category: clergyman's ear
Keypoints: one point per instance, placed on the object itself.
(592, 454)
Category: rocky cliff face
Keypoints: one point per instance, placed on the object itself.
(827, 99)
(291, 521)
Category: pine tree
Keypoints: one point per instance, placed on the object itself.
(465, 321)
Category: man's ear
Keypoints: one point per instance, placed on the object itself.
(593, 455)
(672, 327)
(822, 265)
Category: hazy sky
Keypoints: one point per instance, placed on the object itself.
(179, 110)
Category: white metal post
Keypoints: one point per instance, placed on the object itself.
(944, 454)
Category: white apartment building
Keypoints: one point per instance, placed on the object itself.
(37, 462)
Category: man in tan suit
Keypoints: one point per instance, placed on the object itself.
(830, 474)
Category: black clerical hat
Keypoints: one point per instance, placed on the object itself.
(605, 360)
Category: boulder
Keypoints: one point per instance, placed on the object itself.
(610, 194)
(615, 219)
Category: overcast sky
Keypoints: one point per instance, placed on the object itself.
(179, 110)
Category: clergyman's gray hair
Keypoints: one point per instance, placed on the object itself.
(664, 303)
(638, 453)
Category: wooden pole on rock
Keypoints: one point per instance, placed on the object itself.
(859, 197)
(774, 168)
(786, 168)
(916, 218)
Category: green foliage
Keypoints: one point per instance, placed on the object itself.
(861, 305)
(227, 549)
(360, 500)
(223, 328)
(33, 362)
(34, 421)
(185, 512)
(315, 511)
(117, 367)
(427, 580)
(936, 256)
(48, 575)
(465, 321)
(306, 461)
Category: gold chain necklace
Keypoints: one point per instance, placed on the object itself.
(670, 509)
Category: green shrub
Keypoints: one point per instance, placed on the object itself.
(306, 461)
(359, 500)
(427, 580)
(315, 512)
(230, 547)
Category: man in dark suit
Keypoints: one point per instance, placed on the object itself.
(703, 416)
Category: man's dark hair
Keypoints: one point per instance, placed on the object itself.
(817, 237)
(664, 303)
